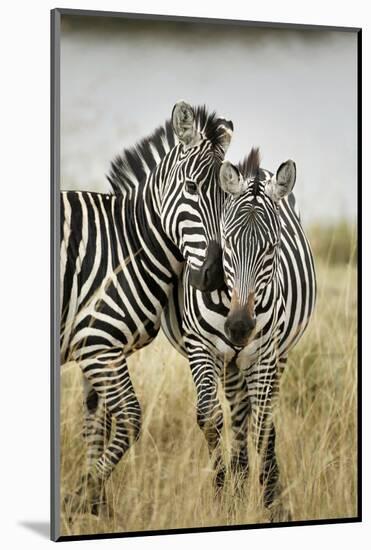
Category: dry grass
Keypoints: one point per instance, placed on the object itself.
(165, 480)
(334, 244)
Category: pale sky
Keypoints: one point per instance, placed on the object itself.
(293, 93)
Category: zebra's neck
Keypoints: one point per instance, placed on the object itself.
(147, 226)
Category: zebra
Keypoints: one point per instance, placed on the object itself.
(121, 255)
(243, 333)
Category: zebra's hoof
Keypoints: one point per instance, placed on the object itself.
(89, 498)
(101, 508)
(220, 480)
(279, 514)
(74, 505)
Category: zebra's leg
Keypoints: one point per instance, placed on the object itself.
(264, 435)
(281, 365)
(97, 430)
(108, 375)
(205, 373)
(236, 392)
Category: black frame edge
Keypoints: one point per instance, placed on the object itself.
(210, 529)
(55, 22)
(359, 270)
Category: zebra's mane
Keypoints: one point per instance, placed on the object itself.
(250, 167)
(131, 168)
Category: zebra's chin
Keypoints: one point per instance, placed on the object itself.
(240, 342)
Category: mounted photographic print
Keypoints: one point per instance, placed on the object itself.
(205, 191)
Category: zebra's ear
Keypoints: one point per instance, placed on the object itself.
(230, 178)
(225, 133)
(283, 182)
(184, 123)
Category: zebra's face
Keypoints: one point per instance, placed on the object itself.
(251, 233)
(192, 198)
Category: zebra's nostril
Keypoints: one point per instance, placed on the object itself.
(238, 330)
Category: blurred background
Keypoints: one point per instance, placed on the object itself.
(294, 94)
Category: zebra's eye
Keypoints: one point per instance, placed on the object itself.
(191, 187)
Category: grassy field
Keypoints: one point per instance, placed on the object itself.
(165, 480)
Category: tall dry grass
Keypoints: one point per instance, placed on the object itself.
(165, 480)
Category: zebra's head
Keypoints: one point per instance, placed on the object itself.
(251, 231)
(192, 198)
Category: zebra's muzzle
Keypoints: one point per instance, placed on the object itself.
(210, 276)
(241, 321)
(239, 327)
